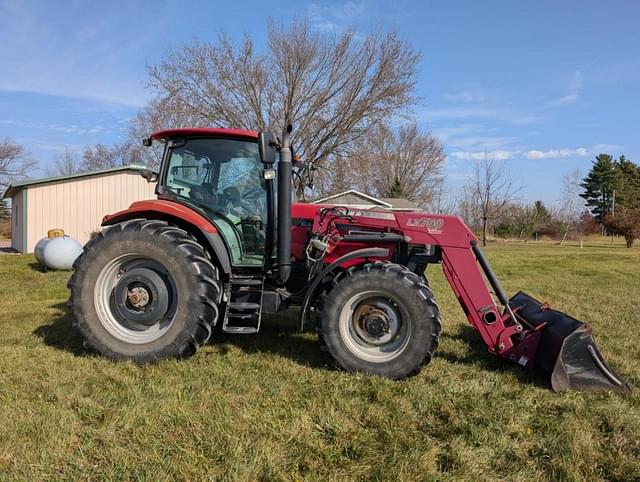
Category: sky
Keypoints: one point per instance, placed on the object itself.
(542, 86)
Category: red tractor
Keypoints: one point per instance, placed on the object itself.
(224, 243)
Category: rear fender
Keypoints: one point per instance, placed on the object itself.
(183, 217)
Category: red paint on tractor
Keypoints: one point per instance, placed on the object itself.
(154, 209)
(208, 132)
(526, 332)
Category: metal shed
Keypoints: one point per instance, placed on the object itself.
(75, 203)
(358, 199)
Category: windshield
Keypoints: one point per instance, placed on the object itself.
(224, 178)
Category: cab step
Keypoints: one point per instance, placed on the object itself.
(244, 310)
(244, 306)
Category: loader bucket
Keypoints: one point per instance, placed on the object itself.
(567, 350)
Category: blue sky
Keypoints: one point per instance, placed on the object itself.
(542, 85)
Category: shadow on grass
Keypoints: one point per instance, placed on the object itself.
(35, 266)
(278, 335)
(478, 356)
(60, 333)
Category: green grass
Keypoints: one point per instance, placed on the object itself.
(270, 407)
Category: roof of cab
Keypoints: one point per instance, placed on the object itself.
(205, 132)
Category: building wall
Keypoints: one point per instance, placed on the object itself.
(17, 222)
(78, 205)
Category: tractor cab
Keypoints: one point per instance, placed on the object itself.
(224, 179)
(229, 177)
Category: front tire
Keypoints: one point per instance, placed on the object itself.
(380, 319)
(145, 290)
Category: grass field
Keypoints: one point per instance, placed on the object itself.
(270, 407)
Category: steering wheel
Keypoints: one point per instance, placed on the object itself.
(232, 196)
(250, 195)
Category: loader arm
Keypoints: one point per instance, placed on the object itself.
(522, 329)
(469, 275)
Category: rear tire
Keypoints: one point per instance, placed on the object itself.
(145, 290)
(380, 319)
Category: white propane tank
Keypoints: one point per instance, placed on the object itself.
(57, 251)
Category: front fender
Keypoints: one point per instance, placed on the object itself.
(182, 216)
(353, 256)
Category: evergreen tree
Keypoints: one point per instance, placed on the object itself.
(628, 184)
(599, 186)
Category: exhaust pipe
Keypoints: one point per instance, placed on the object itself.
(284, 208)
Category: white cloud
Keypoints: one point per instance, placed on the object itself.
(556, 153)
(62, 54)
(483, 143)
(466, 96)
(498, 155)
(472, 112)
(573, 94)
(336, 17)
(606, 148)
(533, 154)
(63, 128)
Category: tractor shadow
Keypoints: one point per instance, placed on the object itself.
(60, 333)
(279, 335)
(478, 356)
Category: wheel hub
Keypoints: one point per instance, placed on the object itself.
(376, 323)
(372, 326)
(140, 297)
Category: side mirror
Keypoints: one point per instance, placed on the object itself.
(267, 145)
(149, 175)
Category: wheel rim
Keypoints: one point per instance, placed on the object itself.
(373, 327)
(135, 298)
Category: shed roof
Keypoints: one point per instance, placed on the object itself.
(353, 192)
(399, 202)
(347, 197)
(17, 186)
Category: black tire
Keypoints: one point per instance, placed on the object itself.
(188, 292)
(395, 293)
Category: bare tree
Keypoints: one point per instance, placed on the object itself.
(492, 189)
(99, 157)
(571, 204)
(104, 157)
(468, 207)
(94, 158)
(331, 88)
(64, 163)
(404, 163)
(443, 201)
(15, 163)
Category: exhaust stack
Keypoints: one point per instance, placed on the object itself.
(284, 208)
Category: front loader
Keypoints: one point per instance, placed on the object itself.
(223, 244)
